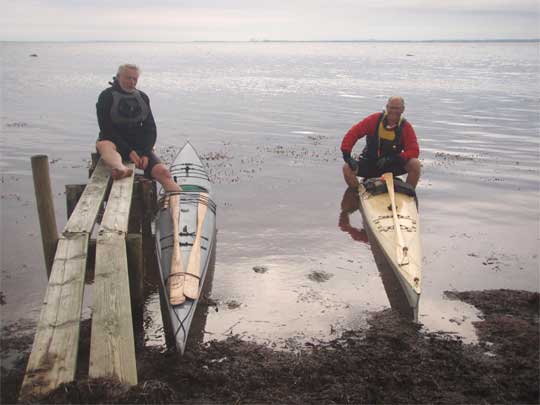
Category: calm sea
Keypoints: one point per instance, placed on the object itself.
(274, 115)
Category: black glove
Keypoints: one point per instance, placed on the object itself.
(353, 164)
(386, 161)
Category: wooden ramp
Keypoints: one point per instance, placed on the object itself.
(53, 359)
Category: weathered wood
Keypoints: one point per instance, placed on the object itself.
(73, 194)
(83, 217)
(135, 267)
(137, 212)
(45, 207)
(93, 162)
(112, 346)
(191, 287)
(54, 353)
(148, 197)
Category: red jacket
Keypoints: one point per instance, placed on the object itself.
(368, 126)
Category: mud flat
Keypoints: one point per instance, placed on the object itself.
(392, 361)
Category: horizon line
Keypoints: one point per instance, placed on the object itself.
(279, 40)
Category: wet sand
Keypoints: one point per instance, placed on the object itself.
(391, 361)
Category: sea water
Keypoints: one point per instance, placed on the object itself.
(268, 119)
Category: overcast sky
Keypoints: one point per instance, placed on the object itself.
(243, 20)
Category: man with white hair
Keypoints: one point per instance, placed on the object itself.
(128, 130)
(391, 146)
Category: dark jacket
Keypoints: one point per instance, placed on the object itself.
(140, 137)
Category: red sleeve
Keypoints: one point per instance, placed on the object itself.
(365, 127)
(409, 141)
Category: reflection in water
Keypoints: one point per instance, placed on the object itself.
(396, 296)
(350, 204)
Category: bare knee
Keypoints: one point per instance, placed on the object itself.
(161, 173)
(104, 146)
(350, 176)
(347, 171)
(413, 166)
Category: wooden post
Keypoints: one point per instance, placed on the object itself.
(136, 284)
(135, 266)
(73, 193)
(148, 199)
(94, 160)
(136, 212)
(45, 206)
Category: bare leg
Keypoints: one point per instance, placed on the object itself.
(350, 176)
(413, 168)
(163, 176)
(112, 158)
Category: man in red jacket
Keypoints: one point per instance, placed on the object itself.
(391, 146)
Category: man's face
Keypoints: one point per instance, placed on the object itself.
(394, 108)
(128, 79)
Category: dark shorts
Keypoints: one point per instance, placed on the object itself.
(152, 161)
(369, 169)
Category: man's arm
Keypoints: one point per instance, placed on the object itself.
(106, 128)
(149, 128)
(365, 127)
(410, 142)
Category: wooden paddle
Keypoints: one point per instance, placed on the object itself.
(193, 272)
(401, 249)
(177, 275)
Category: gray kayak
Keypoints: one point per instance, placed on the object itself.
(187, 254)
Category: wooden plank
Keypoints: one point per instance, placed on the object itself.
(84, 215)
(112, 346)
(54, 353)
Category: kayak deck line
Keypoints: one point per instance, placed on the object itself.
(124, 228)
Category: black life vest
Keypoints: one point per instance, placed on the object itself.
(376, 146)
(128, 110)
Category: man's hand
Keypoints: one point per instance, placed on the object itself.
(144, 162)
(141, 162)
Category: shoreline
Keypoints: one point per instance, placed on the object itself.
(392, 361)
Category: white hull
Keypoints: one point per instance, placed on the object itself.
(189, 172)
(377, 214)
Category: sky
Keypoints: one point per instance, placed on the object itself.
(244, 20)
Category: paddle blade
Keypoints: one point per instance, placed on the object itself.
(176, 283)
(191, 287)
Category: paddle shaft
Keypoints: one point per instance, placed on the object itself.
(389, 179)
(176, 278)
(191, 289)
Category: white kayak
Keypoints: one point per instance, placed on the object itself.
(184, 246)
(399, 244)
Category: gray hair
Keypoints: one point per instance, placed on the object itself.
(396, 98)
(127, 66)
